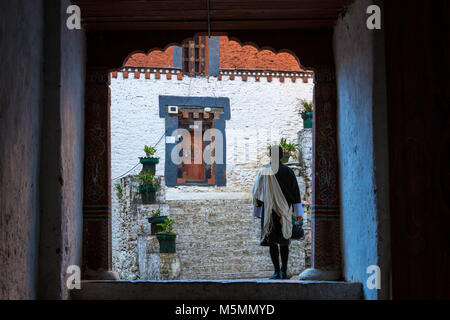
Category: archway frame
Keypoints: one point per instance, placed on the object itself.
(108, 50)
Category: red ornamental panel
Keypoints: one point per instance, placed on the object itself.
(96, 200)
(326, 213)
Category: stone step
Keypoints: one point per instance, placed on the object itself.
(230, 245)
(251, 289)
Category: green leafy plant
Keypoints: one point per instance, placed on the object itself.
(166, 226)
(146, 178)
(306, 106)
(156, 213)
(288, 148)
(149, 151)
(119, 190)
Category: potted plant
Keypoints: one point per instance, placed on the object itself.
(149, 162)
(289, 150)
(307, 114)
(119, 190)
(166, 237)
(147, 187)
(155, 219)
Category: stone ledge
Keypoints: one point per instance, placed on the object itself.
(258, 289)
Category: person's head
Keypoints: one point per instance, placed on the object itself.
(280, 151)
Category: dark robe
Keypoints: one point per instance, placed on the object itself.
(289, 186)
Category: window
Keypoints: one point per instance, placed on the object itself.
(195, 57)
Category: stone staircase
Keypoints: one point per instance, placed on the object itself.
(219, 239)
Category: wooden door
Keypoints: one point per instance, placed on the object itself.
(194, 169)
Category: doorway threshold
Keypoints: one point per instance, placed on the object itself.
(245, 289)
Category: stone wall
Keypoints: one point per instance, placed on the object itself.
(41, 157)
(362, 136)
(61, 162)
(73, 60)
(131, 230)
(21, 59)
(216, 238)
(303, 171)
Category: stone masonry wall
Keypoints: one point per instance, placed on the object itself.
(304, 177)
(216, 239)
(131, 230)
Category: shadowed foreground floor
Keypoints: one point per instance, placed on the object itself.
(255, 289)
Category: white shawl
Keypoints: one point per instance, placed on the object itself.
(267, 189)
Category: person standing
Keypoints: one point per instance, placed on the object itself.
(275, 195)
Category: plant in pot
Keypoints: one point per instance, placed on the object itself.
(155, 219)
(289, 150)
(166, 237)
(147, 187)
(149, 161)
(307, 114)
(119, 190)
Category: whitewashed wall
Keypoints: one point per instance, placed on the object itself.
(261, 112)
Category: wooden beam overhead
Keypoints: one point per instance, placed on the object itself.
(225, 14)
